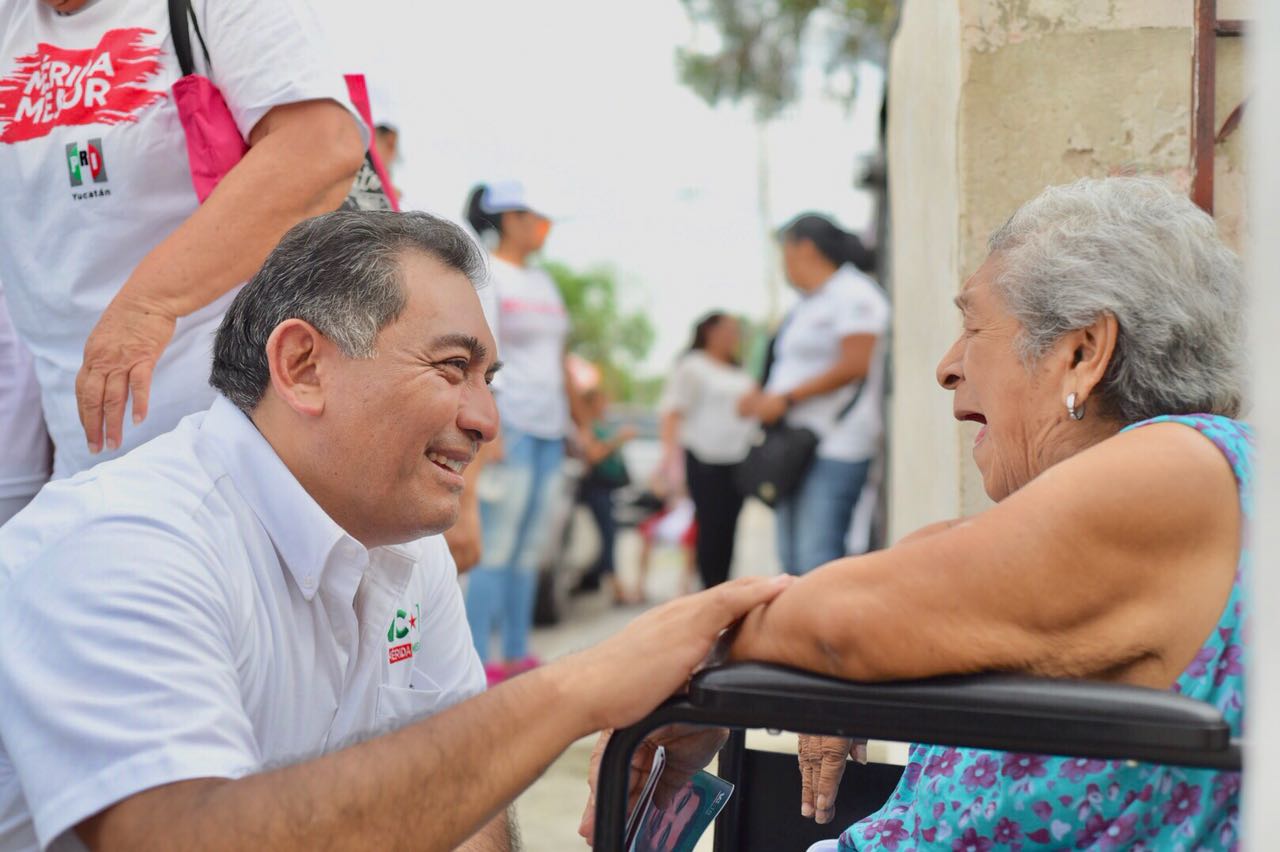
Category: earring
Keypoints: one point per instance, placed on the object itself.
(1072, 411)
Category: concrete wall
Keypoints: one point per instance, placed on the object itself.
(991, 101)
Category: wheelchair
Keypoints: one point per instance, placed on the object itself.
(991, 711)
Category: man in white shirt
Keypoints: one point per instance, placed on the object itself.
(254, 588)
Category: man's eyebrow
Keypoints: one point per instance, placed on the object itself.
(462, 341)
(497, 365)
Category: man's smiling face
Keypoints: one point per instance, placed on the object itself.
(405, 423)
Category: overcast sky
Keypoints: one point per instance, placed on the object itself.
(581, 101)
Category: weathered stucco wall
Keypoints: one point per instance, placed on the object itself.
(1032, 93)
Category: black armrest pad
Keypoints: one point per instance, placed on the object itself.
(1007, 712)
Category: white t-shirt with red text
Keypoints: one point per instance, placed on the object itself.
(94, 174)
(533, 327)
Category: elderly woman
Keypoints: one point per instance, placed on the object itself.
(1101, 355)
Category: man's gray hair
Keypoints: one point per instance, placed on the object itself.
(340, 272)
(1135, 249)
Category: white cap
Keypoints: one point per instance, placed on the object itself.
(505, 196)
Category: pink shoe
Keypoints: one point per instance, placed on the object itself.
(495, 673)
(523, 665)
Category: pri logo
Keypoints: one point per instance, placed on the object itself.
(85, 163)
(402, 644)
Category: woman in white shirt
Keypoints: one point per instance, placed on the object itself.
(699, 414)
(829, 347)
(532, 330)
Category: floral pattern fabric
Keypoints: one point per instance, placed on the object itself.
(970, 800)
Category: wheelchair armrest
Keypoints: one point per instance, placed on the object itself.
(996, 711)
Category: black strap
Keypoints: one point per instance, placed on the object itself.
(180, 13)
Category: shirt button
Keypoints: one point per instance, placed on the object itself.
(308, 582)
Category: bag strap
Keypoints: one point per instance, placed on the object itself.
(857, 395)
(182, 19)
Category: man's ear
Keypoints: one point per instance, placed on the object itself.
(294, 353)
(1092, 349)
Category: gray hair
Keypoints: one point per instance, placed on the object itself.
(341, 273)
(1135, 249)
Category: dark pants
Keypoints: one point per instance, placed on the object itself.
(716, 504)
(599, 500)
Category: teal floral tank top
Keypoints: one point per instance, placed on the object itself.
(984, 801)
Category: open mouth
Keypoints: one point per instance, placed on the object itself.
(974, 417)
(453, 465)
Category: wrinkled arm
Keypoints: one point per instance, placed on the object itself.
(1114, 564)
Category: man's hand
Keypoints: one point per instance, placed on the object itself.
(629, 674)
(689, 748)
(822, 762)
(119, 358)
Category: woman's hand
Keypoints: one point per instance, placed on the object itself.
(747, 403)
(822, 762)
(770, 408)
(688, 749)
(119, 358)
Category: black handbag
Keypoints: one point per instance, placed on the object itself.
(777, 464)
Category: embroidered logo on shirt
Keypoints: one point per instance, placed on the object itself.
(402, 624)
(54, 86)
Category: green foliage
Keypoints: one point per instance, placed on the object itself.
(762, 43)
(614, 340)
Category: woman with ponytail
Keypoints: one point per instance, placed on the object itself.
(702, 431)
(829, 346)
(533, 395)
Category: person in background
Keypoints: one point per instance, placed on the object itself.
(828, 353)
(26, 456)
(699, 415)
(601, 445)
(535, 407)
(115, 276)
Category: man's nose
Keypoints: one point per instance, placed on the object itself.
(479, 414)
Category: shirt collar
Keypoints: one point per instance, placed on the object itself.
(306, 538)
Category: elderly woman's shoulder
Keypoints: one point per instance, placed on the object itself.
(1164, 477)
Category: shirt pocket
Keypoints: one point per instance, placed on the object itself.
(400, 705)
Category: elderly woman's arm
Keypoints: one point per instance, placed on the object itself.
(1113, 564)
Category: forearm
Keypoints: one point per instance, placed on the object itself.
(225, 241)
(437, 780)
(837, 377)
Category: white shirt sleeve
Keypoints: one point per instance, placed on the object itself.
(680, 392)
(863, 310)
(118, 671)
(265, 54)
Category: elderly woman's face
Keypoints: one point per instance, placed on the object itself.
(1019, 407)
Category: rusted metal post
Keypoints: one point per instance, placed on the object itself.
(1203, 67)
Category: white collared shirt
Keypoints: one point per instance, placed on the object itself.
(189, 611)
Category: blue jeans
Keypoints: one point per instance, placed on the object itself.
(514, 497)
(812, 524)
